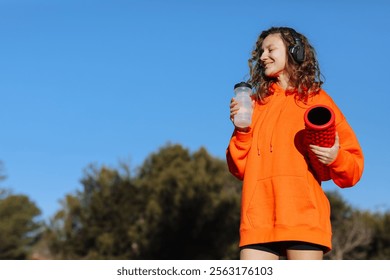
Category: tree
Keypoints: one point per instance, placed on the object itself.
(193, 207)
(178, 206)
(380, 245)
(97, 223)
(19, 229)
(352, 230)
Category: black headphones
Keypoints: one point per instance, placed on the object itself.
(297, 50)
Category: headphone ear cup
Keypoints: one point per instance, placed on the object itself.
(298, 53)
(297, 50)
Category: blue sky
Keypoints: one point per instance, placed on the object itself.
(104, 81)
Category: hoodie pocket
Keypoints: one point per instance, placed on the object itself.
(260, 210)
(295, 203)
(282, 201)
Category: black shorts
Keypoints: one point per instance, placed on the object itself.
(280, 248)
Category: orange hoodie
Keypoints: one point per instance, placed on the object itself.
(281, 198)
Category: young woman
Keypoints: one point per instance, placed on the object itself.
(284, 211)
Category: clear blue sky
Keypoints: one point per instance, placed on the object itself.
(103, 81)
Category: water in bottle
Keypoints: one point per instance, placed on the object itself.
(243, 92)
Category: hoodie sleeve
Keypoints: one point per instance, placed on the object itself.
(347, 169)
(237, 151)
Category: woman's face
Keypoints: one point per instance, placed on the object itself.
(274, 56)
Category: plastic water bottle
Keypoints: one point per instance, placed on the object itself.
(243, 92)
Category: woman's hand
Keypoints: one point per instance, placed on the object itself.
(234, 107)
(327, 155)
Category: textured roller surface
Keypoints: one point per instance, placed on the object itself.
(320, 130)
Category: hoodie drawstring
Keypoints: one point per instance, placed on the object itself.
(268, 109)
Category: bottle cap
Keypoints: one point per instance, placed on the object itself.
(242, 84)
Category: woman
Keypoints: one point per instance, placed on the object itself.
(284, 211)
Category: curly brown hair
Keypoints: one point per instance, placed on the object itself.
(305, 77)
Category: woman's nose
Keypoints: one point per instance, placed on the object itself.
(262, 56)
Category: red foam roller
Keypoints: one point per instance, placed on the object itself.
(320, 130)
